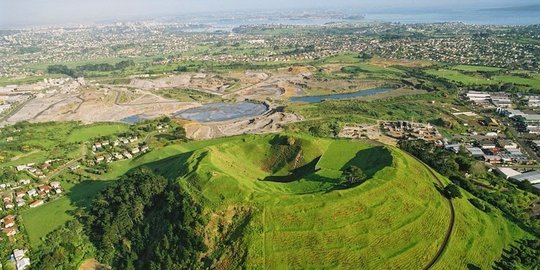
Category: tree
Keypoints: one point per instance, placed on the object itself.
(452, 191)
(181, 69)
(353, 175)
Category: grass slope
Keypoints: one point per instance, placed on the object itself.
(396, 220)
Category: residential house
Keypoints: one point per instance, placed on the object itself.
(23, 263)
(32, 193)
(56, 185)
(44, 189)
(10, 232)
(36, 203)
(20, 194)
(8, 221)
(25, 182)
(18, 254)
(493, 159)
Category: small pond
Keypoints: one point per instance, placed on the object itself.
(217, 112)
(134, 119)
(362, 93)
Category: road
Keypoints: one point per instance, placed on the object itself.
(16, 110)
(228, 95)
(522, 144)
(69, 163)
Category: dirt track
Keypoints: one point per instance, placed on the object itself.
(451, 225)
(268, 123)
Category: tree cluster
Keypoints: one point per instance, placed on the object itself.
(80, 70)
(146, 222)
(526, 255)
(353, 176)
(65, 248)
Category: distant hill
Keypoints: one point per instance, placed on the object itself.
(535, 7)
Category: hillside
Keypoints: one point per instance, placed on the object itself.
(270, 219)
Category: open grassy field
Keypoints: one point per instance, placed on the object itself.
(475, 68)
(35, 143)
(534, 81)
(44, 219)
(456, 76)
(97, 130)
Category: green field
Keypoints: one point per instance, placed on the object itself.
(534, 81)
(475, 68)
(44, 219)
(87, 133)
(456, 76)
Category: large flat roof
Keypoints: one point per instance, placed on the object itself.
(533, 117)
(533, 177)
(475, 151)
(508, 172)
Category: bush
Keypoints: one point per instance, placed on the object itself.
(353, 176)
(480, 205)
(452, 191)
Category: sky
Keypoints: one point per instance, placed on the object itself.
(38, 12)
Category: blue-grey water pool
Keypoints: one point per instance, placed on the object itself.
(217, 112)
(363, 93)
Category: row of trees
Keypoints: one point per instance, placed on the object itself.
(80, 70)
(526, 255)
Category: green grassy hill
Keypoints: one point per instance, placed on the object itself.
(275, 202)
(298, 216)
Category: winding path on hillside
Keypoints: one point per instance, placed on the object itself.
(450, 229)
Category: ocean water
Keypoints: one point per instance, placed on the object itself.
(470, 16)
(483, 17)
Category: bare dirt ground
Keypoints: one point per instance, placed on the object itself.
(97, 105)
(269, 123)
(383, 62)
(92, 264)
(197, 81)
(369, 131)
